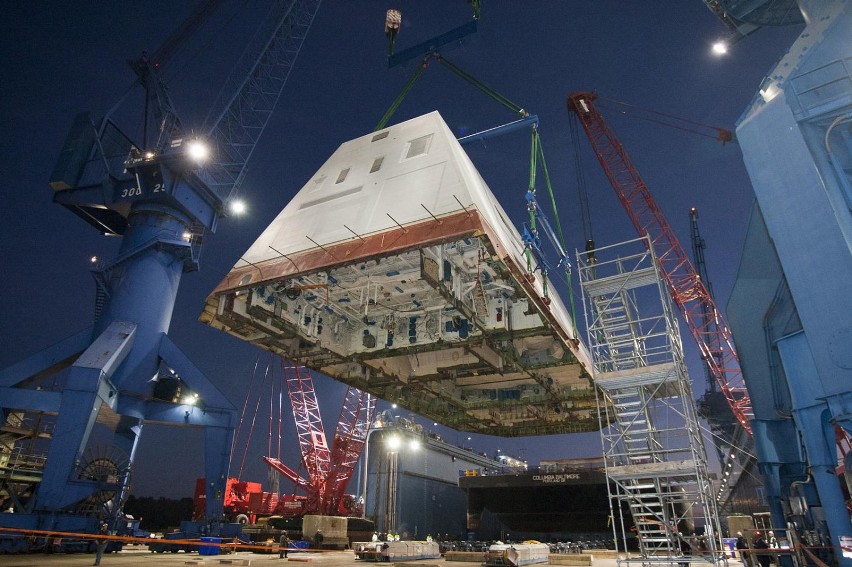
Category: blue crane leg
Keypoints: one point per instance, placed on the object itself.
(143, 285)
(217, 458)
(87, 388)
(812, 420)
(783, 137)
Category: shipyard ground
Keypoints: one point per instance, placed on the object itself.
(141, 557)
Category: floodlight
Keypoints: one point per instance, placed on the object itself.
(720, 48)
(197, 150)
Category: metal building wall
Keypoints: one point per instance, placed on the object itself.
(427, 500)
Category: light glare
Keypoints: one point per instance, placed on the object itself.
(197, 150)
(720, 48)
(394, 442)
(238, 207)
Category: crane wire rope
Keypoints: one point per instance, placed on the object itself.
(580, 178)
(239, 426)
(271, 413)
(266, 375)
(280, 416)
(669, 120)
(195, 55)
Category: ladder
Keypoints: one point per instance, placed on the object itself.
(653, 450)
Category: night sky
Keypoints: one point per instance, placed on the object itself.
(64, 57)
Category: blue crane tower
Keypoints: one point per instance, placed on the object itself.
(73, 414)
(791, 302)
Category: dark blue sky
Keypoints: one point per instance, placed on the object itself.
(61, 58)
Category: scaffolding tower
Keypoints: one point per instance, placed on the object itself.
(653, 449)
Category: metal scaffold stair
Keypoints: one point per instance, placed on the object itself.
(653, 449)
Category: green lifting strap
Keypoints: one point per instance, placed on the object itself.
(395, 104)
(458, 71)
(540, 151)
(481, 86)
(550, 193)
(531, 188)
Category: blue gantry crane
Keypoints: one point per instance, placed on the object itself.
(790, 305)
(73, 414)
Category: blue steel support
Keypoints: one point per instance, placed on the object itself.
(775, 452)
(56, 355)
(217, 457)
(143, 288)
(760, 311)
(454, 36)
(88, 387)
(817, 433)
(526, 122)
(783, 136)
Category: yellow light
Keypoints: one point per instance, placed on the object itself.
(190, 400)
(394, 442)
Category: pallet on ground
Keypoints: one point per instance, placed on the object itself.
(464, 556)
(570, 559)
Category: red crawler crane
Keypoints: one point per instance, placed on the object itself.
(704, 320)
(329, 470)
